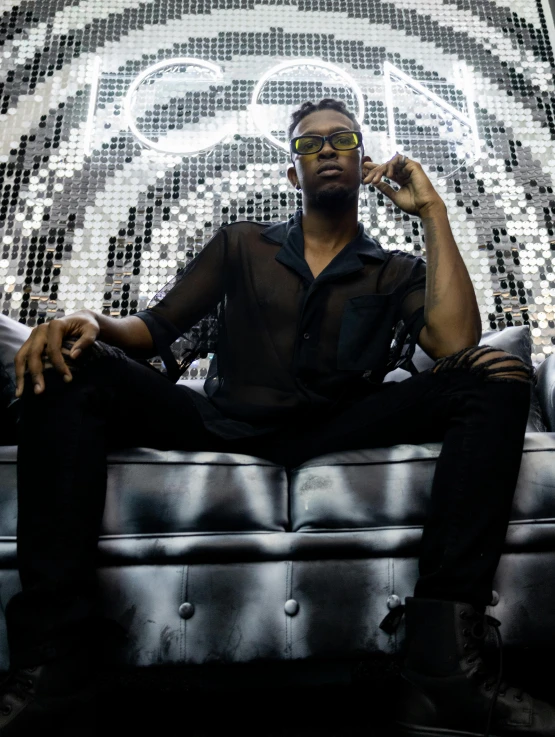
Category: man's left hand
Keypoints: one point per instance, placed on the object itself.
(416, 193)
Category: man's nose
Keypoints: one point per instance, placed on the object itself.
(327, 150)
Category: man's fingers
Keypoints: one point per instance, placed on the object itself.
(35, 367)
(87, 338)
(369, 168)
(387, 190)
(54, 349)
(57, 360)
(392, 172)
(383, 170)
(376, 174)
(20, 361)
(29, 358)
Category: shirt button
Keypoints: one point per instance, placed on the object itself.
(306, 336)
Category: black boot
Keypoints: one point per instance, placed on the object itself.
(55, 698)
(446, 688)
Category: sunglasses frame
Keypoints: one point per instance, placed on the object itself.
(323, 140)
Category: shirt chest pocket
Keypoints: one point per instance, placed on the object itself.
(366, 332)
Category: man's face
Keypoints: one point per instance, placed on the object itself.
(334, 188)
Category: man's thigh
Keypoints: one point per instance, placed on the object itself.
(141, 407)
(160, 414)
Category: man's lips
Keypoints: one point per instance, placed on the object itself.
(329, 167)
(330, 172)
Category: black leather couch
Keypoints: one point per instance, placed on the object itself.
(214, 557)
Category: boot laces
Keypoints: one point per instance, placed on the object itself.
(479, 631)
(18, 684)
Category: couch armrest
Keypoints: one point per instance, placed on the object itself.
(546, 390)
(12, 336)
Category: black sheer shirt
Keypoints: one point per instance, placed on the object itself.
(285, 343)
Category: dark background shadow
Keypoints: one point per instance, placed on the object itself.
(283, 699)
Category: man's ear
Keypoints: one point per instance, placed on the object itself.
(292, 176)
(364, 160)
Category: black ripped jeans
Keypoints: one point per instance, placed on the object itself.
(64, 435)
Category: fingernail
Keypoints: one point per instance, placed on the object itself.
(75, 353)
(67, 378)
(37, 388)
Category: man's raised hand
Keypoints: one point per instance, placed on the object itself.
(416, 193)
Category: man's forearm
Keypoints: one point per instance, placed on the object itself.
(450, 310)
(128, 333)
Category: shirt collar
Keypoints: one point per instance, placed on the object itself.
(362, 243)
(289, 235)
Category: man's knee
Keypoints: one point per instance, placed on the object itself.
(97, 354)
(96, 364)
(489, 363)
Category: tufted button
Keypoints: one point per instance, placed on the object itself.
(186, 610)
(494, 598)
(306, 336)
(393, 601)
(291, 607)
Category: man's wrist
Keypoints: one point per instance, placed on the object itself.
(434, 207)
(84, 312)
(90, 315)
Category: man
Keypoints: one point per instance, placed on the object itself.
(307, 312)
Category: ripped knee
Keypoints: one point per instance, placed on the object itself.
(489, 363)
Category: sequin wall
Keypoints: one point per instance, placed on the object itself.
(93, 217)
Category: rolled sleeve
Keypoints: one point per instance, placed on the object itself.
(164, 333)
(185, 300)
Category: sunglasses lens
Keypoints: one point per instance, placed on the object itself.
(307, 145)
(342, 141)
(345, 141)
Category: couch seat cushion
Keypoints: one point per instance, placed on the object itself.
(152, 491)
(386, 487)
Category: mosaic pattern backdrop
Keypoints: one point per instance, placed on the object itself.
(90, 217)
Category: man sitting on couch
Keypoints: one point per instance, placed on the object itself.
(307, 310)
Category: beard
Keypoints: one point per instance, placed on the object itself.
(333, 197)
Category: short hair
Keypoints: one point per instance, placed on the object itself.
(328, 103)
